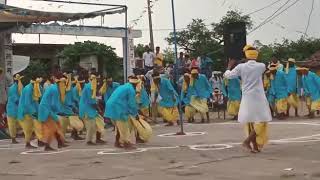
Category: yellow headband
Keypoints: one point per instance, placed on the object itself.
(194, 71)
(93, 77)
(36, 89)
(302, 69)
(17, 77)
(134, 81)
(61, 80)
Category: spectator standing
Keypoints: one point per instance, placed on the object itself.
(148, 58)
(158, 57)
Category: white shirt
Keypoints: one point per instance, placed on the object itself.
(254, 106)
(148, 59)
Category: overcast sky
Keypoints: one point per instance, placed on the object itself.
(288, 25)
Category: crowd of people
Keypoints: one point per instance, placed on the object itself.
(46, 109)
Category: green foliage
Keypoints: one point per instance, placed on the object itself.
(233, 16)
(139, 49)
(104, 53)
(300, 50)
(200, 39)
(168, 54)
(36, 68)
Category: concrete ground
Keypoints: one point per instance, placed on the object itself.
(293, 153)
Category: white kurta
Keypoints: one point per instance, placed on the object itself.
(254, 106)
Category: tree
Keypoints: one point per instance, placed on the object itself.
(105, 54)
(139, 49)
(233, 16)
(36, 68)
(300, 49)
(199, 39)
(168, 54)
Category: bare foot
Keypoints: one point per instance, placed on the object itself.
(29, 146)
(48, 148)
(129, 146)
(14, 141)
(62, 145)
(140, 141)
(41, 144)
(101, 142)
(247, 146)
(91, 143)
(118, 145)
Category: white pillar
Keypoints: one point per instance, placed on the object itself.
(130, 64)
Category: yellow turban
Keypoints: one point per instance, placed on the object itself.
(62, 88)
(250, 52)
(36, 89)
(18, 78)
(93, 80)
(104, 87)
(185, 84)
(78, 85)
(68, 81)
(134, 80)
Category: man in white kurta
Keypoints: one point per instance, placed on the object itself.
(254, 108)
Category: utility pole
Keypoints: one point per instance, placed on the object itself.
(150, 25)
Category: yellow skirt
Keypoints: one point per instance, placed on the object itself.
(308, 102)
(169, 114)
(100, 124)
(261, 130)
(143, 128)
(38, 129)
(50, 129)
(293, 100)
(233, 108)
(124, 130)
(76, 123)
(189, 112)
(65, 122)
(27, 127)
(282, 105)
(12, 126)
(199, 104)
(315, 106)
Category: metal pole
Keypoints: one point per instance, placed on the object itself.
(150, 26)
(176, 56)
(126, 46)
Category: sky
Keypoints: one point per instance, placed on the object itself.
(289, 24)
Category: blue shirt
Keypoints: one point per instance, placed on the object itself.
(233, 89)
(13, 101)
(50, 104)
(201, 87)
(293, 83)
(122, 103)
(27, 105)
(311, 86)
(110, 90)
(168, 94)
(87, 104)
(279, 86)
